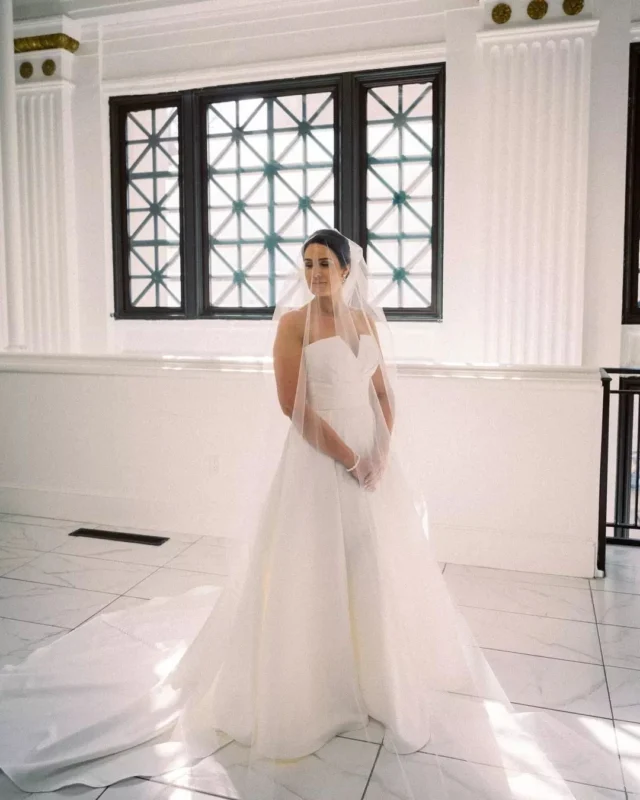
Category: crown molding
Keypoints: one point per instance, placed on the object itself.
(588, 27)
(255, 9)
(272, 70)
(54, 25)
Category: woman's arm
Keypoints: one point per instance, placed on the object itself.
(287, 355)
(381, 389)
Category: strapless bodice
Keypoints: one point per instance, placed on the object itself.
(336, 376)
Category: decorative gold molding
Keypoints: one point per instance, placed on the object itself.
(501, 13)
(26, 70)
(48, 41)
(572, 7)
(537, 9)
(48, 67)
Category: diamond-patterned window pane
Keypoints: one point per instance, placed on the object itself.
(153, 208)
(400, 194)
(271, 184)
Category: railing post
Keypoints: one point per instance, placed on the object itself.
(604, 466)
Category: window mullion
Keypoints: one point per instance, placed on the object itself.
(190, 245)
(118, 118)
(346, 171)
(437, 222)
(359, 156)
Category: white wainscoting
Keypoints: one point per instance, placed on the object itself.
(508, 457)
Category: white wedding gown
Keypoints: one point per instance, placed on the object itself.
(343, 615)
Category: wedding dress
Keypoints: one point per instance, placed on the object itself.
(340, 619)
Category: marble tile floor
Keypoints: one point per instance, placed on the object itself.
(569, 645)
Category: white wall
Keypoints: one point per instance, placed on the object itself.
(511, 464)
(507, 459)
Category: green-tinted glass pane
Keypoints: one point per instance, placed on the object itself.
(400, 194)
(153, 208)
(271, 184)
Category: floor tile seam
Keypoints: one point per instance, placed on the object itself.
(540, 655)
(564, 711)
(524, 613)
(62, 586)
(496, 766)
(371, 771)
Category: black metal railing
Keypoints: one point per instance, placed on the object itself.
(627, 474)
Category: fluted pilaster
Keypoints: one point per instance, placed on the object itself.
(12, 330)
(45, 159)
(535, 137)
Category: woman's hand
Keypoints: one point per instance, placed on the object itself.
(378, 466)
(369, 470)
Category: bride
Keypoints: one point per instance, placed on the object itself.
(334, 664)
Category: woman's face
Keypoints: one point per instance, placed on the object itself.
(322, 270)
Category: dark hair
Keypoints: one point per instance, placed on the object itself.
(335, 241)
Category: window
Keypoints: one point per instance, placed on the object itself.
(270, 181)
(631, 296)
(153, 207)
(214, 190)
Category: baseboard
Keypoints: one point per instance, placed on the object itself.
(524, 551)
(151, 513)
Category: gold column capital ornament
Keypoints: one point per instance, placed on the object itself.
(47, 41)
(48, 67)
(501, 14)
(572, 7)
(537, 9)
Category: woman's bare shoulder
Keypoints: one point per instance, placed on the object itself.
(291, 324)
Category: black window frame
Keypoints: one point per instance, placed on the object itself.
(350, 191)
(630, 307)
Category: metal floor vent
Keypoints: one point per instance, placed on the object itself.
(118, 536)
